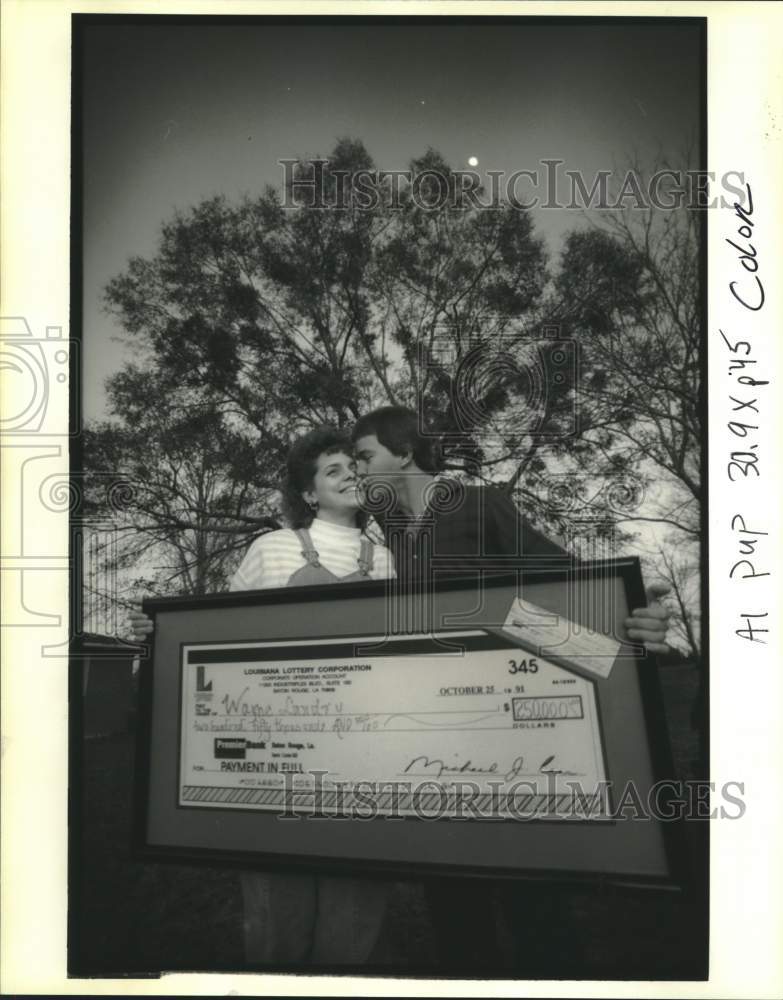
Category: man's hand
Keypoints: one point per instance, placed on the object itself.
(649, 624)
(141, 625)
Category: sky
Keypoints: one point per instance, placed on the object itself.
(173, 114)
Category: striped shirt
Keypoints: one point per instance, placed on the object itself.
(273, 558)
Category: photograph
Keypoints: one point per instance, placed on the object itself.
(390, 491)
(413, 305)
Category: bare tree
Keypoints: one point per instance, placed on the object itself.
(629, 289)
(683, 575)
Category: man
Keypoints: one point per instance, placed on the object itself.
(436, 527)
(433, 529)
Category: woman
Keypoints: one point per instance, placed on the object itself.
(325, 543)
(290, 917)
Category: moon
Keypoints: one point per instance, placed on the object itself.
(473, 161)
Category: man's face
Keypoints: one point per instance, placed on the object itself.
(375, 461)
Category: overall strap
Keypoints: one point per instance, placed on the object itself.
(309, 552)
(366, 556)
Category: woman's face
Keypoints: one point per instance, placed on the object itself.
(334, 483)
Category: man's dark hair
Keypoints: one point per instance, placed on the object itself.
(301, 467)
(397, 428)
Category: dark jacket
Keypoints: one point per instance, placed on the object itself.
(466, 528)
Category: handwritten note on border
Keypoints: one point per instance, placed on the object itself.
(548, 632)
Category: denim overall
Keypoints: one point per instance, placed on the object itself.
(322, 919)
(314, 574)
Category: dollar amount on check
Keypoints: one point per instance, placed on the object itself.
(395, 726)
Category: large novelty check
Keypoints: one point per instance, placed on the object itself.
(491, 725)
(402, 726)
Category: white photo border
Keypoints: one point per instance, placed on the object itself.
(745, 132)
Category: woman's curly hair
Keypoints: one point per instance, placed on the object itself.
(301, 467)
